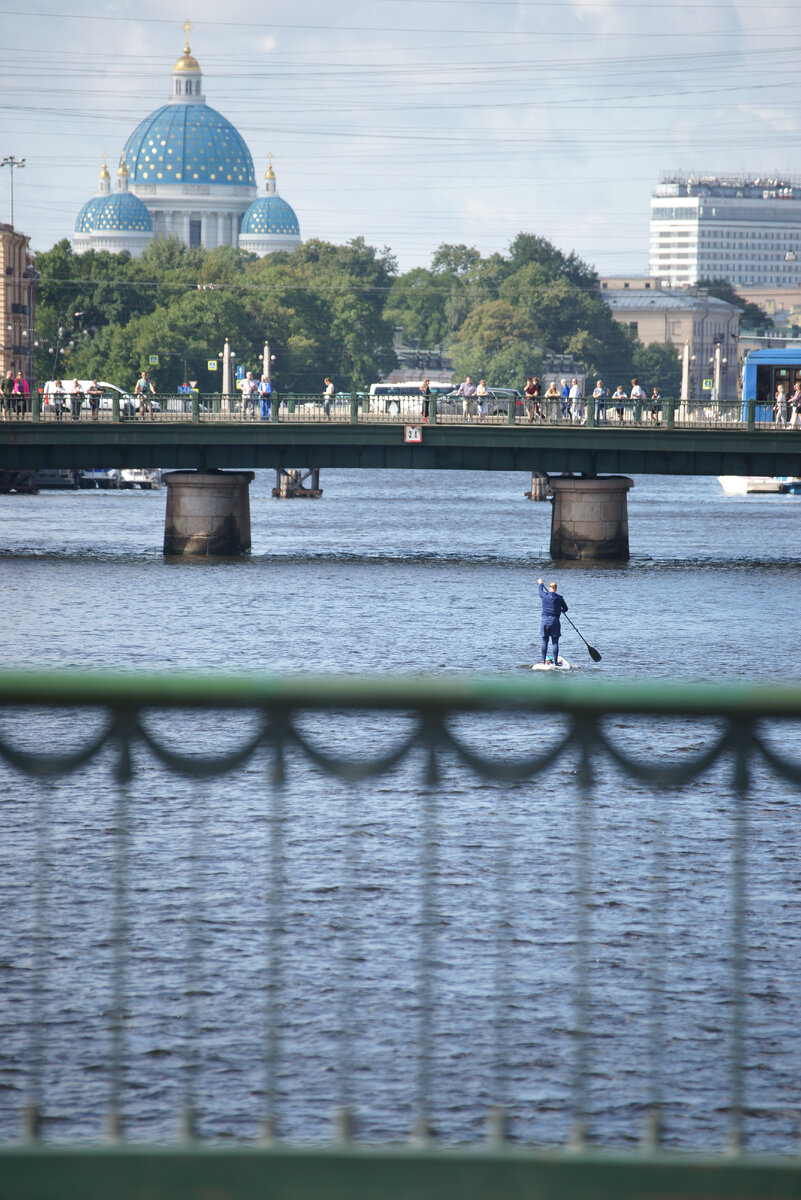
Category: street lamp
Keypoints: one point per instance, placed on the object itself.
(13, 165)
(227, 355)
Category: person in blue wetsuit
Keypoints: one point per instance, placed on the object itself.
(553, 605)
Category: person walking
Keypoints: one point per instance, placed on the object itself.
(265, 397)
(481, 398)
(553, 605)
(795, 408)
(250, 390)
(76, 400)
(467, 391)
(576, 407)
(532, 394)
(145, 391)
(22, 393)
(637, 394)
(328, 396)
(780, 407)
(58, 399)
(656, 404)
(93, 395)
(425, 391)
(599, 396)
(565, 394)
(7, 395)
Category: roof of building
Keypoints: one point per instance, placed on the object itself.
(121, 212)
(188, 143)
(270, 215)
(661, 298)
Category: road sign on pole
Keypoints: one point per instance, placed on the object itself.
(154, 360)
(212, 364)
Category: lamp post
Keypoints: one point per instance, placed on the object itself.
(227, 355)
(685, 372)
(716, 363)
(13, 165)
(267, 361)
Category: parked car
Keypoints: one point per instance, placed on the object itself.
(129, 405)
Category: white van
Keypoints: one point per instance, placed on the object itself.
(129, 405)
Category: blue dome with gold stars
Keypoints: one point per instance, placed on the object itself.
(122, 212)
(188, 143)
(270, 214)
(83, 222)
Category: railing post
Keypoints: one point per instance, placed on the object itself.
(669, 412)
(638, 411)
(432, 409)
(115, 407)
(195, 408)
(354, 408)
(275, 405)
(291, 405)
(751, 414)
(36, 407)
(511, 412)
(590, 418)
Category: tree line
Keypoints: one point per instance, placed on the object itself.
(330, 310)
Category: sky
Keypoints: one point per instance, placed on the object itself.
(416, 122)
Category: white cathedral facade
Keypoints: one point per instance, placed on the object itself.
(185, 171)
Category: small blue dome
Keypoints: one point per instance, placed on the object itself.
(121, 212)
(188, 143)
(83, 222)
(270, 214)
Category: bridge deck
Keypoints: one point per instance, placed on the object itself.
(225, 443)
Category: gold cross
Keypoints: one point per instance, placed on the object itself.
(186, 28)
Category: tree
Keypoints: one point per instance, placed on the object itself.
(752, 315)
(416, 303)
(658, 365)
(527, 249)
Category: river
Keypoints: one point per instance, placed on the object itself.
(400, 572)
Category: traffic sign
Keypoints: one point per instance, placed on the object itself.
(154, 360)
(413, 434)
(240, 372)
(707, 385)
(212, 364)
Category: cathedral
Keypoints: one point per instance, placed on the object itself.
(186, 172)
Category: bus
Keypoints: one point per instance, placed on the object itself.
(763, 371)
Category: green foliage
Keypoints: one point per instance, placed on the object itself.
(658, 365)
(753, 317)
(321, 308)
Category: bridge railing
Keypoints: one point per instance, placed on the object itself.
(486, 917)
(358, 408)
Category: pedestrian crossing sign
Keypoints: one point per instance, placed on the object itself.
(707, 385)
(212, 364)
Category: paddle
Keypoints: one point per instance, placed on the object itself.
(594, 655)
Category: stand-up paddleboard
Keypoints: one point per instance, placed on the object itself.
(562, 665)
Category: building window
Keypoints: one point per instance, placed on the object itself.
(633, 326)
(194, 233)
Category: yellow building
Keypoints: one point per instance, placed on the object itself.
(17, 301)
(681, 316)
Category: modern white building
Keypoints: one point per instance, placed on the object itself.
(747, 231)
(185, 171)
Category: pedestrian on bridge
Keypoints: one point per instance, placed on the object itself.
(795, 408)
(76, 400)
(565, 394)
(328, 396)
(780, 407)
(618, 395)
(250, 389)
(145, 391)
(553, 605)
(467, 391)
(7, 393)
(265, 397)
(599, 396)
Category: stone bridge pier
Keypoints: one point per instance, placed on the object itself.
(208, 513)
(590, 517)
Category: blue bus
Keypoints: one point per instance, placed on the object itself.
(763, 371)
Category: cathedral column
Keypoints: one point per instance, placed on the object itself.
(211, 233)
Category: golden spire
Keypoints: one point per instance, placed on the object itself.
(269, 173)
(187, 61)
(123, 170)
(104, 173)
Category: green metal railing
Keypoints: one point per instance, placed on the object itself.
(546, 745)
(356, 408)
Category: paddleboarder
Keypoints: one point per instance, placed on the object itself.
(553, 605)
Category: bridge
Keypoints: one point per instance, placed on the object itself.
(685, 443)
(588, 463)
